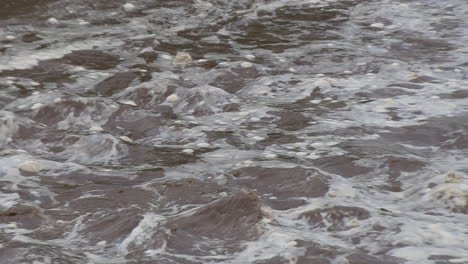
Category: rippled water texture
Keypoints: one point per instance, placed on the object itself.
(217, 131)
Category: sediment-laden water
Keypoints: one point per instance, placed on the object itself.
(216, 131)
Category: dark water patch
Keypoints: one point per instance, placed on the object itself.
(230, 137)
(136, 124)
(46, 71)
(335, 218)
(92, 59)
(279, 138)
(161, 156)
(198, 101)
(75, 184)
(168, 3)
(56, 142)
(150, 173)
(384, 93)
(197, 49)
(11, 8)
(460, 94)
(291, 121)
(71, 109)
(460, 142)
(407, 85)
(429, 44)
(268, 35)
(121, 180)
(208, 64)
(228, 81)
(220, 225)
(274, 31)
(248, 73)
(317, 103)
(233, 6)
(281, 183)
(442, 259)
(204, 101)
(149, 56)
(115, 83)
(420, 48)
(111, 199)
(395, 166)
(196, 34)
(344, 165)
(400, 164)
(188, 191)
(52, 114)
(281, 204)
(144, 71)
(28, 252)
(108, 21)
(317, 254)
(26, 216)
(234, 79)
(438, 131)
(319, 35)
(394, 157)
(144, 96)
(23, 89)
(274, 260)
(359, 258)
(425, 79)
(334, 62)
(317, 14)
(31, 37)
(5, 100)
(112, 227)
(103, 5)
(25, 129)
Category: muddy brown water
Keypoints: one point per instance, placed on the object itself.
(301, 131)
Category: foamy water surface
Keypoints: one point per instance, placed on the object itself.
(216, 131)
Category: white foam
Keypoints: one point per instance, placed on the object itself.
(142, 233)
(203, 145)
(128, 7)
(8, 200)
(25, 59)
(36, 106)
(172, 98)
(246, 64)
(188, 151)
(128, 102)
(8, 127)
(52, 21)
(258, 138)
(126, 139)
(182, 59)
(377, 25)
(96, 129)
(30, 166)
(275, 242)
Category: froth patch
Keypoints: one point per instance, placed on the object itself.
(30, 166)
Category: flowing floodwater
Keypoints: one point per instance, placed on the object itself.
(243, 131)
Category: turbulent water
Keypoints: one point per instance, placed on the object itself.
(295, 131)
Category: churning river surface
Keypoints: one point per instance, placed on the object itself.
(233, 131)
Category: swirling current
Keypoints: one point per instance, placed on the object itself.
(242, 131)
